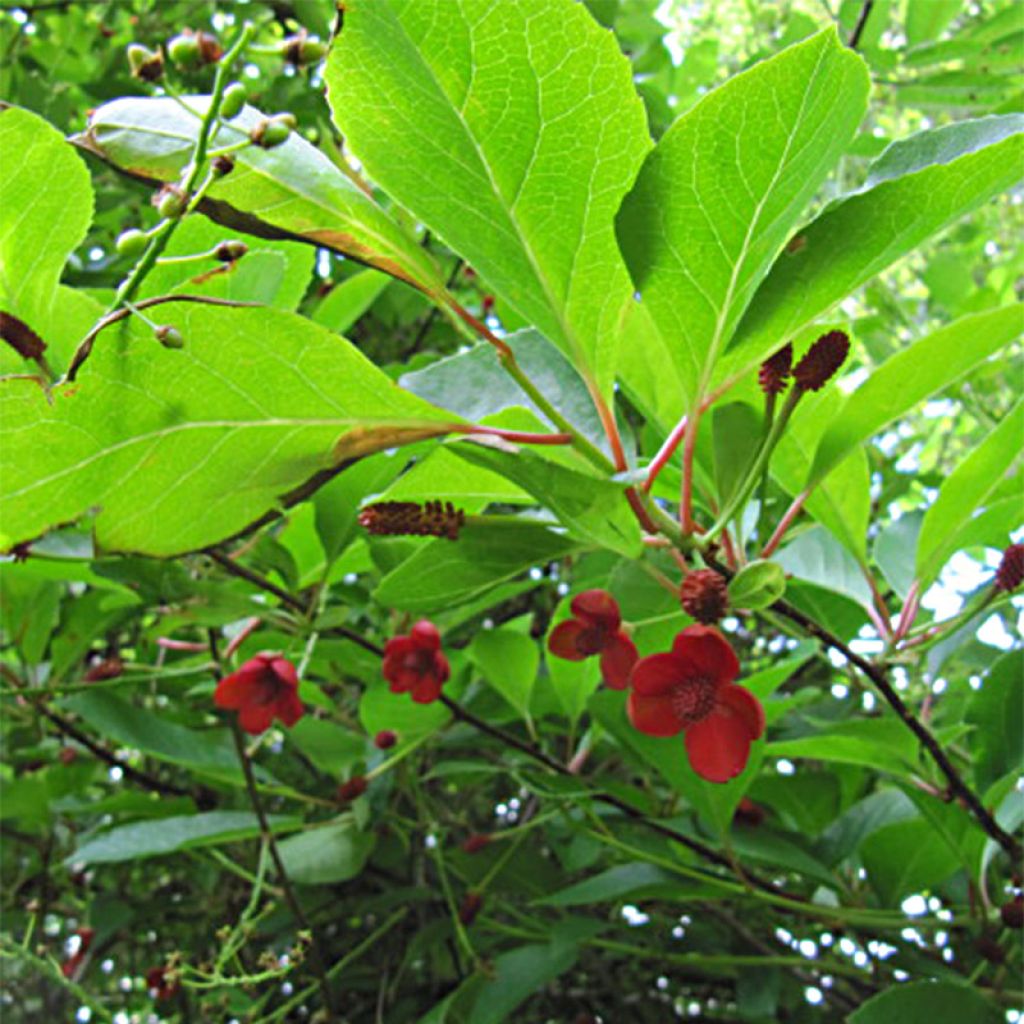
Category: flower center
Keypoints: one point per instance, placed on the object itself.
(693, 699)
(421, 662)
(591, 640)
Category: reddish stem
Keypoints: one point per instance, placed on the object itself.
(179, 645)
(785, 523)
(729, 551)
(686, 493)
(637, 505)
(520, 436)
(482, 329)
(665, 452)
(910, 609)
(884, 616)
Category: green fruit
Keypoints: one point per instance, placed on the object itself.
(228, 252)
(132, 243)
(145, 64)
(271, 133)
(170, 337)
(171, 205)
(233, 100)
(184, 51)
(311, 51)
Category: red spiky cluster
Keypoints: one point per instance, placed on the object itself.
(823, 358)
(775, 371)
(704, 595)
(1010, 573)
(410, 519)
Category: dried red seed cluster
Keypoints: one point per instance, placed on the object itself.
(470, 907)
(775, 371)
(476, 842)
(355, 787)
(1010, 573)
(385, 739)
(823, 358)
(409, 518)
(1012, 912)
(704, 595)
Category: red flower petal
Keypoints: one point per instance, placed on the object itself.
(653, 715)
(719, 746)
(289, 708)
(426, 689)
(441, 668)
(562, 640)
(657, 674)
(399, 646)
(425, 636)
(746, 706)
(617, 661)
(285, 672)
(234, 691)
(256, 718)
(597, 608)
(706, 653)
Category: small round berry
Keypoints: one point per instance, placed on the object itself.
(169, 337)
(476, 842)
(355, 787)
(270, 132)
(385, 739)
(233, 100)
(221, 165)
(132, 243)
(183, 49)
(170, 202)
(231, 250)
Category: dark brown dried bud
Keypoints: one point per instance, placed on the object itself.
(1012, 912)
(476, 842)
(410, 519)
(355, 787)
(221, 165)
(109, 668)
(67, 755)
(704, 595)
(748, 813)
(299, 50)
(775, 371)
(228, 252)
(471, 905)
(210, 49)
(1010, 573)
(145, 63)
(990, 949)
(823, 358)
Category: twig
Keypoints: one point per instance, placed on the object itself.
(862, 20)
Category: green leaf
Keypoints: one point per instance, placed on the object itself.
(443, 574)
(46, 205)
(347, 302)
(967, 487)
(926, 19)
(816, 557)
(757, 585)
(291, 191)
(736, 431)
(379, 709)
(593, 510)
(508, 660)
(331, 748)
(997, 712)
(170, 835)
(894, 551)
(927, 1002)
(512, 131)
(844, 836)
(909, 377)
(858, 237)
(517, 975)
(718, 196)
(905, 858)
(180, 449)
(840, 749)
(335, 852)
(29, 610)
(638, 880)
(474, 385)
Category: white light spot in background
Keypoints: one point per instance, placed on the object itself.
(634, 917)
(840, 691)
(813, 995)
(84, 1014)
(914, 906)
(784, 767)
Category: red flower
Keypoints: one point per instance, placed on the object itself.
(263, 689)
(414, 664)
(355, 787)
(691, 690)
(385, 739)
(159, 984)
(596, 628)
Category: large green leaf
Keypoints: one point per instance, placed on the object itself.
(592, 509)
(335, 852)
(512, 130)
(443, 574)
(927, 1002)
(718, 196)
(518, 974)
(290, 191)
(169, 835)
(856, 238)
(46, 205)
(911, 376)
(997, 712)
(816, 557)
(179, 449)
(508, 660)
(969, 485)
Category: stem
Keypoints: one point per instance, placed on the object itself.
(665, 452)
(785, 522)
(686, 491)
(909, 612)
(742, 495)
(762, 491)
(517, 436)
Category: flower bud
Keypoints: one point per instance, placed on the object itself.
(108, 668)
(233, 100)
(775, 371)
(987, 947)
(355, 787)
(169, 337)
(487, 304)
(476, 842)
(411, 519)
(209, 48)
(748, 813)
(228, 252)
(300, 50)
(67, 755)
(183, 49)
(271, 132)
(704, 595)
(471, 905)
(1010, 573)
(132, 243)
(822, 361)
(221, 165)
(385, 739)
(145, 64)
(170, 202)
(1012, 912)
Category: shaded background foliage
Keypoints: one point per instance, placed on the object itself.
(104, 780)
